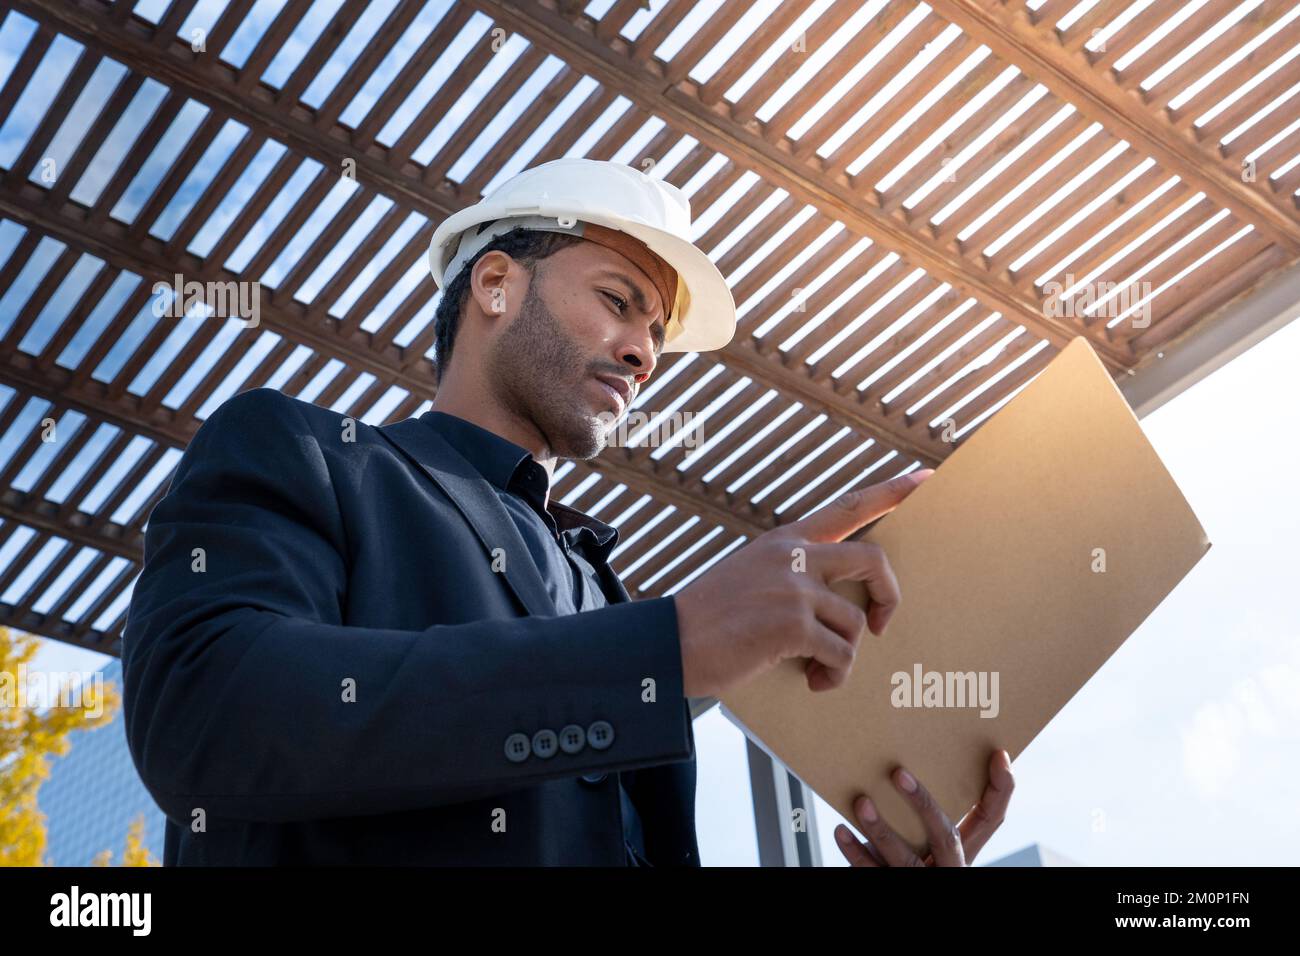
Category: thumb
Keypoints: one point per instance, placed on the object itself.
(859, 507)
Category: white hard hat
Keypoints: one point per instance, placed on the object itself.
(562, 195)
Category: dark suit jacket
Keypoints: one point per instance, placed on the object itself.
(287, 565)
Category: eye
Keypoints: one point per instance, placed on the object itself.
(618, 300)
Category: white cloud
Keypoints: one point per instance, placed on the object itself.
(1238, 741)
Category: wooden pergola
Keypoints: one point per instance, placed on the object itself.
(896, 193)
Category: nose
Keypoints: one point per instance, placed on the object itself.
(634, 370)
(639, 359)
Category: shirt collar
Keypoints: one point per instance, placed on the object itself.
(503, 463)
(495, 458)
(572, 520)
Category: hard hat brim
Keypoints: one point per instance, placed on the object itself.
(706, 309)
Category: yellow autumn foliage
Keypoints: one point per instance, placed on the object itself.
(135, 854)
(28, 740)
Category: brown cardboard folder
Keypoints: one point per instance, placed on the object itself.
(1037, 547)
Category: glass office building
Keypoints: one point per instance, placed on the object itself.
(94, 793)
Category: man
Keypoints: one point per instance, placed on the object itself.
(388, 645)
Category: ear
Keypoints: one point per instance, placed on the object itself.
(494, 280)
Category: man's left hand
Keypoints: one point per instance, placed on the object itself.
(949, 845)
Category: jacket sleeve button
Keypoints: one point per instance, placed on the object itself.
(517, 748)
(572, 738)
(544, 743)
(600, 734)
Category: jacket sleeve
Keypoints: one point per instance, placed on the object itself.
(236, 665)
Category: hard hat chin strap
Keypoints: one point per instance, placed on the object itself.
(473, 241)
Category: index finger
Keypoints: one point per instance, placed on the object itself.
(853, 509)
(946, 844)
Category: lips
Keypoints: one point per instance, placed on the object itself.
(618, 387)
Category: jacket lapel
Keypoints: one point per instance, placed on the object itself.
(477, 500)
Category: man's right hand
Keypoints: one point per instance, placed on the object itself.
(754, 610)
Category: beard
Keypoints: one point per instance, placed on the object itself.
(541, 376)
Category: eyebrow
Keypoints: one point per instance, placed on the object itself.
(639, 298)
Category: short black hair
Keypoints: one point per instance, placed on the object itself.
(525, 246)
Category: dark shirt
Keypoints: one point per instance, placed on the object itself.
(567, 545)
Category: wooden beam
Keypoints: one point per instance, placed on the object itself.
(163, 425)
(42, 625)
(76, 526)
(1008, 31)
(147, 257)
